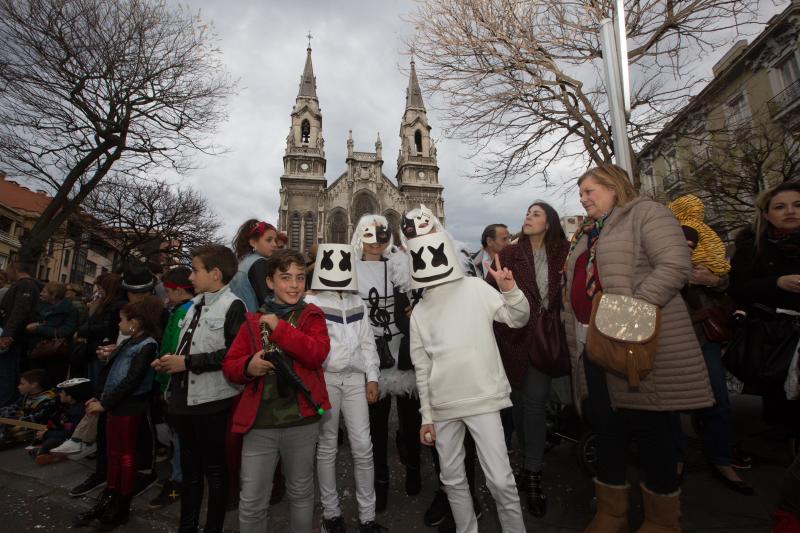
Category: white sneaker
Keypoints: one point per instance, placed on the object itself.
(68, 447)
(86, 449)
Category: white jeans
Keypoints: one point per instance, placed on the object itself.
(487, 431)
(347, 394)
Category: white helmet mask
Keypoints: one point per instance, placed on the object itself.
(433, 260)
(334, 269)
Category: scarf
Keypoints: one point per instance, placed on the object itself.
(281, 310)
(788, 242)
(592, 231)
(272, 306)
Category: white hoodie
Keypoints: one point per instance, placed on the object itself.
(455, 355)
(352, 341)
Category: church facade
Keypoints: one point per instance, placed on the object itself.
(311, 211)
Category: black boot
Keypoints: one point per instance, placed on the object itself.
(381, 494)
(537, 501)
(115, 514)
(86, 517)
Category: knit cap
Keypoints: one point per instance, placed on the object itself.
(710, 250)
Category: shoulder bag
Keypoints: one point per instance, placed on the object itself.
(550, 353)
(55, 348)
(381, 316)
(623, 335)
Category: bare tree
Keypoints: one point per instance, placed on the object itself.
(91, 85)
(730, 167)
(522, 80)
(149, 218)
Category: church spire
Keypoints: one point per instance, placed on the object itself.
(308, 82)
(413, 93)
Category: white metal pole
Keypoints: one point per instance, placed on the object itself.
(619, 130)
(622, 53)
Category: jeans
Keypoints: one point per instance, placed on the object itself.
(530, 416)
(175, 470)
(409, 421)
(470, 462)
(146, 444)
(715, 421)
(260, 451)
(487, 431)
(202, 456)
(616, 428)
(348, 396)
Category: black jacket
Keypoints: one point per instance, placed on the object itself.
(102, 327)
(18, 308)
(754, 276)
(58, 320)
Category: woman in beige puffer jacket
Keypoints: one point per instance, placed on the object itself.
(635, 247)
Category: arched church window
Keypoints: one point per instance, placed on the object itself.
(308, 231)
(294, 231)
(364, 205)
(338, 228)
(418, 142)
(393, 218)
(305, 132)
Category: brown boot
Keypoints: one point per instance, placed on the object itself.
(662, 512)
(612, 509)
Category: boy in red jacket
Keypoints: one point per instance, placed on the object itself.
(277, 415)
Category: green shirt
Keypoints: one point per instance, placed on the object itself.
(170, 339)
(276, 411)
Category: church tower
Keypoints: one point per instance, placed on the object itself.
(417, 171)
(303, 183)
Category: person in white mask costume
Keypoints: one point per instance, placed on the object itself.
(460, 377)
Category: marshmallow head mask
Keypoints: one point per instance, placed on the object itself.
(433, 260)
(335, 268)
(418, 222)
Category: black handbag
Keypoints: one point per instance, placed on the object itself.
(381, 317)
(384, 353)
(762, 348)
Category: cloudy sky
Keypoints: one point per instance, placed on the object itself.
(361, 65)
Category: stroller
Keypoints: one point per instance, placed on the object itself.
(564, 424)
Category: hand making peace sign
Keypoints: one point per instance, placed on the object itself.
(502, 276)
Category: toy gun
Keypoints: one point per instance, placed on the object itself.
(286, 370)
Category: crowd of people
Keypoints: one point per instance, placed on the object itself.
(245, 364)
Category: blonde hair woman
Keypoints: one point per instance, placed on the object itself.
(633, 246)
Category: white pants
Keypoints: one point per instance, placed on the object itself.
(487, 431)
(348, 396)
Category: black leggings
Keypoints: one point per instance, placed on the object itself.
(202, 439)
(101, 459)
(616, 428)
(409, 421)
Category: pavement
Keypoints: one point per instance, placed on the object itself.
(34, 498)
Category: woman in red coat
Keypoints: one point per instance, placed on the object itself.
(275, 414)
(532, 355)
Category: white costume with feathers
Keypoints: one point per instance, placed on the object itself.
(376, 283)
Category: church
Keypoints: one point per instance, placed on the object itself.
(312, 211)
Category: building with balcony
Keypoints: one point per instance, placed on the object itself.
(740, 134)
(10, 230)
(71, 256)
